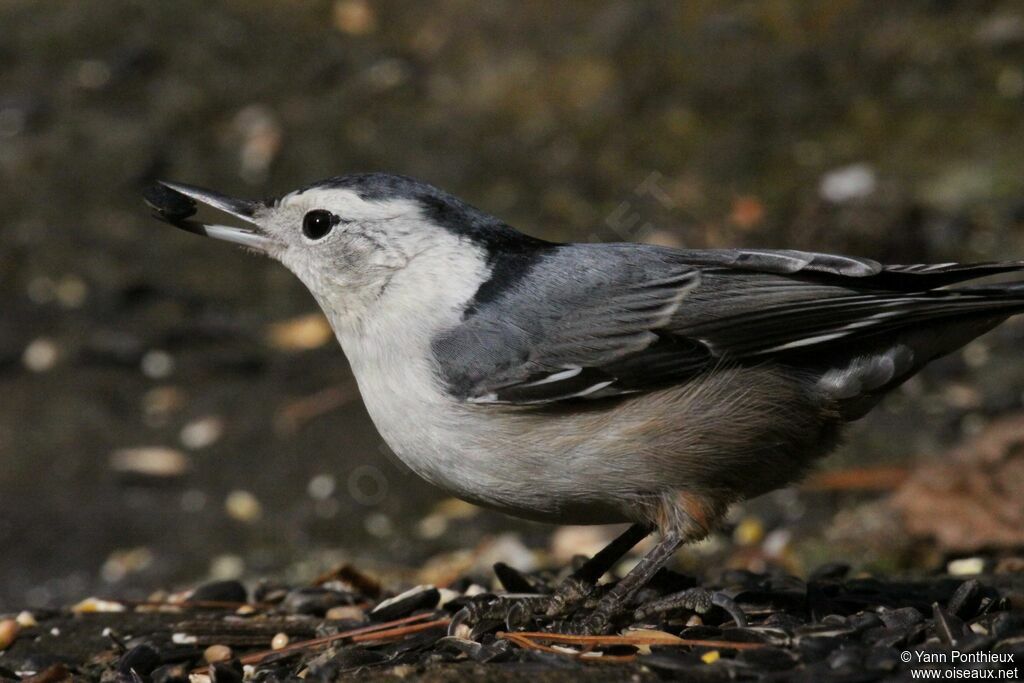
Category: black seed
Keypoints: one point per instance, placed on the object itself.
(226, 672)
(170, 673)
(830, 571)
(966, 600)
(172, 205)
(426, 598)
(220, 591)
(141, 659)
(315, 601)
(512, 579)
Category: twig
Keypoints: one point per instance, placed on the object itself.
(650, 639)
(189, 604)
(384, 630)
(524, 642)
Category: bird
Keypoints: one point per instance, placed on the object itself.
(599, 383)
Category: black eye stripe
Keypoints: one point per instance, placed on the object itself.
(316, 224)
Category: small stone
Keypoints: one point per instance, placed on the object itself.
(90, 605)
(217, 653)
(71, 291)
(40, 355)
(750, 531)
(8, 632)
(156, 462)
(26, 619)
(243, 506)
(157, 364)
(855, 181)
(201, 433)
(123, 562)
(303, 333)
(345, 612)
(321, 487)
(379, 525)
(432, 526)
(966, 566)
(227, 567)
(280, 641)
(354, 17)
(711, 657)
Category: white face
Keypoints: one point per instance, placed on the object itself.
(337, 242)
(362, 259)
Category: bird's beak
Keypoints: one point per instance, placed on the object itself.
(175, 203)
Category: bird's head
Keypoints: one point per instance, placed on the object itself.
(348, 237)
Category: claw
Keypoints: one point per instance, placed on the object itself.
(729, 605)
(461, 617)
(698, 600)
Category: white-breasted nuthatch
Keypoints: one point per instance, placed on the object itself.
(599, 383)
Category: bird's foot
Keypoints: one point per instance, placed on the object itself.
(571, 593)
(485, 612)
(596, 623)
(697, 600)
(523, 612)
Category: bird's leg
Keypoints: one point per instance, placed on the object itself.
(580, 585)
(614, 600)
(518, 611)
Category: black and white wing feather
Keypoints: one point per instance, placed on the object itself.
(591, 321)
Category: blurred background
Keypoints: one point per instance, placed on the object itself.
(172, 409)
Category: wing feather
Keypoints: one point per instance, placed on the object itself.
(593, 321)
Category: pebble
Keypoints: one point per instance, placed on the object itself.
(90, 605)
(157, 364)
(321, 487)
(201, 433)
(217, 653)
(300, 334)
(40, 355)
(279, 641)
(966, 566)
(8, 632)
(157, 462)
(227, 567)
(123, 562)
(26, 619)
(243, 506)
(848, 183)
(345, 612)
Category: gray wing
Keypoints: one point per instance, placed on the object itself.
(590, 321)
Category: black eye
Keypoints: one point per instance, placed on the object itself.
(317, 223)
